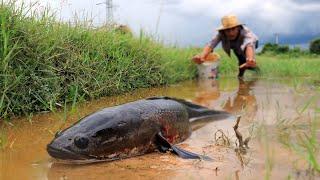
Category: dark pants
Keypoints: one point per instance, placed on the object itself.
(241, 60)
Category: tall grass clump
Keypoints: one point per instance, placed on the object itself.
(45, 63)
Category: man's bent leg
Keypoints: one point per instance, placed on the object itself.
(241, 72)
(241, 60)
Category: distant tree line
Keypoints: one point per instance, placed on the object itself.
(314, 48)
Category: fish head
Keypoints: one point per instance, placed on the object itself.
(100, 137)
(66, 146)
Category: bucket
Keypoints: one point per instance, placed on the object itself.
(208, 70)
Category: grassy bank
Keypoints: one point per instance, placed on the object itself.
(46, 63)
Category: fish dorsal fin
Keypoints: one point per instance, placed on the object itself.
(164, 146)
(159, 97)
(182, 101)
(195, 111)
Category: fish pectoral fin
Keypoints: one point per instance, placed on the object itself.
(189, 155)
(164, 146)
(162, 143)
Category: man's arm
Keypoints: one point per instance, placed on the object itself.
(250, 60)
(248, 46)
(207, 50)
(250, 53)
(200, 58)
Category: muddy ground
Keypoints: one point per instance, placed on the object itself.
(273, 112)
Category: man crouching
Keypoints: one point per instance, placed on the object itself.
(234, 35)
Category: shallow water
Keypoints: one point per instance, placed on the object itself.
(265, 106)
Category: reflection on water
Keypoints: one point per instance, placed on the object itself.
(244, 102)
(25, 157)
(207, 92)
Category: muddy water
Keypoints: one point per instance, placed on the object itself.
(264, 106)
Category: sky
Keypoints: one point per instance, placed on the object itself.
(193, 22)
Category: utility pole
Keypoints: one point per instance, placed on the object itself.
(276, 38)
(109, 10)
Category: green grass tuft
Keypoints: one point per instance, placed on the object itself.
(45, 63)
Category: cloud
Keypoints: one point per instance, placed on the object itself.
(283, 15)
(286, 17)
(194, 21)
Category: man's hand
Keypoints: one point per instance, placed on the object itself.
(197, 59)
(251, 63)
(200, 58)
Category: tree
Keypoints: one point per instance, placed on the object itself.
(269, 47)
(315, 46)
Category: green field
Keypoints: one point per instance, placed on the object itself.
(281, 65)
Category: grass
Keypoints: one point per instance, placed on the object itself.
(272, 65)
(3, 140)
(304, 142)
(300, 136)
(288, 66)
(45, 63)
(298, 133)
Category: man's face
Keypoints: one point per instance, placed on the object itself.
(232, 33)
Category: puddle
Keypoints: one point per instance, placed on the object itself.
(266, 106)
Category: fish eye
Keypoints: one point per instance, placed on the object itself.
(81, 142)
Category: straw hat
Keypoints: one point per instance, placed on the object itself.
(229, 21)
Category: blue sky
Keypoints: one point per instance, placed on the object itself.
(193, 22)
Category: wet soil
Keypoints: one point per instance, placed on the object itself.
(267, 108)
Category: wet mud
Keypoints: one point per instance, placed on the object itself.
(268, 108)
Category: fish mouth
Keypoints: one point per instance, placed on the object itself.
(64, 154)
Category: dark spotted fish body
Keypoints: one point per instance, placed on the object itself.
(128, 130)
